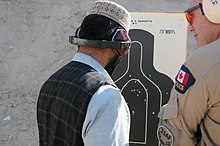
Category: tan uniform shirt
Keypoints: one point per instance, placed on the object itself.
(195, 101)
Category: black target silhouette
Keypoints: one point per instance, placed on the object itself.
(144, 88)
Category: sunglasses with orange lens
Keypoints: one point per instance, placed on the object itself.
(189, 15)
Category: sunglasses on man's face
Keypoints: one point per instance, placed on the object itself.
(189, 14)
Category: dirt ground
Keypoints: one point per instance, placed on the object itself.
(18, 125)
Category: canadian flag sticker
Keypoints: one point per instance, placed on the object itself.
(184, 79)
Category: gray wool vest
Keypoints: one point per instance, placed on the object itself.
(63, 102)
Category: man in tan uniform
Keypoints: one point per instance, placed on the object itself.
(192, 115)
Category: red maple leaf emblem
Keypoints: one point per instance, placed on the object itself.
(181, 75)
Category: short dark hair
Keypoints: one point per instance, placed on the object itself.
(98, 27)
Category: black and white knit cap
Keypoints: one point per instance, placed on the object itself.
(112, 11)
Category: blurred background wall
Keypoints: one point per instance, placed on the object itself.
(34, 44)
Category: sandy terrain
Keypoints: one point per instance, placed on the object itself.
(18, 126)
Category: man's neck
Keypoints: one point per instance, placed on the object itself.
(101, 55)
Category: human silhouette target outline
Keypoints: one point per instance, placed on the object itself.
(147, 73)
(139, 88)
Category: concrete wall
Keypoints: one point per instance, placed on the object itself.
(33, 45)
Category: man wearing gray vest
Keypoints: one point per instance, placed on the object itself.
(192, 115)
(80, 105)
